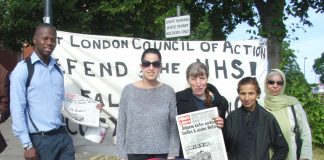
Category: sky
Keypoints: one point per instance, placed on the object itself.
(308, 48)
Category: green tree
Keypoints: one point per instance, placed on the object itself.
(18, 19)
(298, 87)
(318, 67)
(268, 16)
(132, 18)
(296, 82)
(210, 19)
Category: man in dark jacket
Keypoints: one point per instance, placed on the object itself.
(4, 101)
(250, 131)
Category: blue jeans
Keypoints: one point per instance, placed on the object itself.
(54, 147)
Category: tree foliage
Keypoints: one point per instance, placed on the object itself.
(210, 19)
(298, 87)
(318, 67)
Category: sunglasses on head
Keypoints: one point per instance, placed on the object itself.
(271, 82)
(156, 64)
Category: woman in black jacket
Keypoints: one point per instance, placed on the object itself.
(200, 94)
(251, 131)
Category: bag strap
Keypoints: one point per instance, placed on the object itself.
(296, 128)
(30, 68)
(32, 122)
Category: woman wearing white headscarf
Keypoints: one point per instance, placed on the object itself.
(280, 105)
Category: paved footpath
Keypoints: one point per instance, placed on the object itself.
(14, 150)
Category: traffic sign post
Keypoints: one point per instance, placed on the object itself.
(177, 26)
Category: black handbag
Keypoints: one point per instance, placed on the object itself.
(298, 140)
(3, 143)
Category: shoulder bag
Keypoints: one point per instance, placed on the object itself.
(298, 140)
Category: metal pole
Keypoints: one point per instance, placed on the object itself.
(178, 14)
(178, 10)
(47, 11)
(304, 66)
(315, 80)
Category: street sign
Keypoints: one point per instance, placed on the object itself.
(177, 26)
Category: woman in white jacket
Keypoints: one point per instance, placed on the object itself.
(281, 105)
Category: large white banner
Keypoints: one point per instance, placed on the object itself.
(99, 67)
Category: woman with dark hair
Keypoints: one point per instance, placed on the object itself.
(146, 125)
(250, 131)
(200, 94)
(288, 110)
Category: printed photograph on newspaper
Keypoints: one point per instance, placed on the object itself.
(81, 110)
(200, 137)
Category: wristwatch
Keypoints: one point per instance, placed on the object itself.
(27, 146)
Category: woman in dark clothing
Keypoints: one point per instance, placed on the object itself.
(186, 101)
(200, 94)
(250, 131)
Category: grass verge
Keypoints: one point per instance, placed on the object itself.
(318, 152)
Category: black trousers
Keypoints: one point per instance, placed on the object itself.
(146, 156)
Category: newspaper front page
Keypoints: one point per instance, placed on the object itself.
(200, 137)
(81, 110)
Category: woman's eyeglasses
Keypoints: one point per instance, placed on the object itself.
(156, 64)
(271, 82)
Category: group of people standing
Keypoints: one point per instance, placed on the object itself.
(146, 125)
